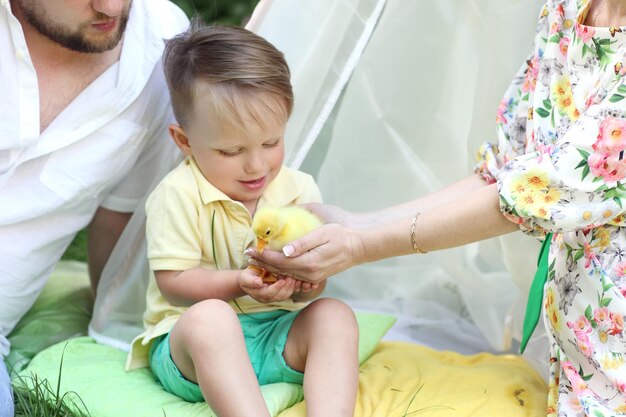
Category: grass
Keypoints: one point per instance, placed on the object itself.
(35, 397)
(41, 400)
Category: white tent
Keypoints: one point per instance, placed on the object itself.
(393, 98)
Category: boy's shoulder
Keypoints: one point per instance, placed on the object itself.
(182, 175)
(294, 177)
(292, 186)
(180, 180)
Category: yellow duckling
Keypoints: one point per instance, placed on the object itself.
(274, 227)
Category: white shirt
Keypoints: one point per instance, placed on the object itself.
(102, 150)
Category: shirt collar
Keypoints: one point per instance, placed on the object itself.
(282, 191)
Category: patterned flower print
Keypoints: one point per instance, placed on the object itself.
(560, 166)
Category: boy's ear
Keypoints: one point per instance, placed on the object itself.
(180, 139)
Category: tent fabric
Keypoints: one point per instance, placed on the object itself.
(392, 100)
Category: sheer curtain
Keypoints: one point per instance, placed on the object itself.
(393, 98)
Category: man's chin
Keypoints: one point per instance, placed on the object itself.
(101, 45)
(90, 43)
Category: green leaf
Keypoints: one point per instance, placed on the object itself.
(588, 313)
(554, 39)
(621, 89)
(217, 266)
(547, 104)
(583, 153)
(578, 254)
(585, 49)
(607, 287)
(615, 98)
(618, 201)
(542, 112)
(605, 302)
(585, 171)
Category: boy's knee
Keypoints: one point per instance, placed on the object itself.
(335, 311)
(209, 314)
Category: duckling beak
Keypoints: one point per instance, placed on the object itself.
(260, 244)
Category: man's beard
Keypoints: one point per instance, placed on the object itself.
(76, 41)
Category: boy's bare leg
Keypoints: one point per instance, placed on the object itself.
(323, 342)
(208, 347)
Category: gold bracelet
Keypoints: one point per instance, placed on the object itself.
(415, 247)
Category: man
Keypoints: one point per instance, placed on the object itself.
(83, 127)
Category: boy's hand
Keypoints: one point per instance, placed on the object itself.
(252, 284)
(302, 287)
(306, 291)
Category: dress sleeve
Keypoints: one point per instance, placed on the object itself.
(513, 120)
(576, 183)
(559, 161)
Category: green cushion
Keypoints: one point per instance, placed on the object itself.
(95, 373)
(62, 311)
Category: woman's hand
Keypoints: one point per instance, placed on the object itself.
(325, 251)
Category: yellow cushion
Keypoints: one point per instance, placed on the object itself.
(403, 379)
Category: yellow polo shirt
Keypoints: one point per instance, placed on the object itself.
(180, 212)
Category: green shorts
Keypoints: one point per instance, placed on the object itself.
(265, 335)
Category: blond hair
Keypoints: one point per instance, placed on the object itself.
(244, 75)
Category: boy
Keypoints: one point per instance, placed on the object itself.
(232, 98)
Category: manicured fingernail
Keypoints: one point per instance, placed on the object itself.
(253, 262)
(249, 252)
(288, 250)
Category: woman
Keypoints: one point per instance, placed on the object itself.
(557, 171)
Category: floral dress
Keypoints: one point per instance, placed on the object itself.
(559, 164)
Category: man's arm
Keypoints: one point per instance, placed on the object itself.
(102, 235)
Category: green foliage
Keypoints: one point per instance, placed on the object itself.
(77, 251)
(230, 12)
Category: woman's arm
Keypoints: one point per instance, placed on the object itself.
(473, 217)
(332, 214)
(466, 217)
